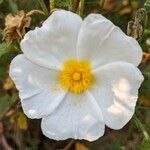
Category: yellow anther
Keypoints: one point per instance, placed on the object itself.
(76, 76)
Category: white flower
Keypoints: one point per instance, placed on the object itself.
(78, 76)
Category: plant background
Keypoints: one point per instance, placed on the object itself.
(17, 132)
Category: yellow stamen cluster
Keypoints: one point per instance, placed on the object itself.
(76, 76)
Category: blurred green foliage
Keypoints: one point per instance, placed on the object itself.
(25, 134)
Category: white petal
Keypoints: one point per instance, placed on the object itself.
(77, 117)
(38, 88)
(116, 92)
(102, 42)
(55, 41)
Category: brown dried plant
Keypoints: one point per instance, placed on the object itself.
(16, 24)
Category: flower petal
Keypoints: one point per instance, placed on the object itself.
(116, 92)
(37, 86)
(78, 117)
(102, 42)
(55, 41)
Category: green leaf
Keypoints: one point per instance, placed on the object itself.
(5, 48)
(6, 102)
(147, 6)
(1, 1)
(28, 5)
(62, 4)
(140, 127)
(144, 145)
(13, 6)
(43, 6)
(3, 71)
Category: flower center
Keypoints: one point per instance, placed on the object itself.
(76, 76)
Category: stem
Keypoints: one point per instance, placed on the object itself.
(4, 143)
(43, 6)
(69, 145)
(71, 5)
(102, 3)
(81, 8)
(52, 4)
(141, 127)
(147, 21)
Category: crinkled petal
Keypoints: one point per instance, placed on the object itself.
(54, 42)
(116, 92)
(38, 89)
(102, 42)
(78, 117)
